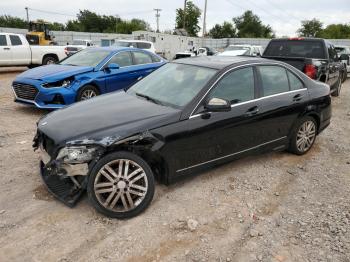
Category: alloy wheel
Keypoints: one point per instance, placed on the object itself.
(121, 185)
(306, 136)
(87, 94)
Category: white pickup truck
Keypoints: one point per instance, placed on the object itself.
(16, 51)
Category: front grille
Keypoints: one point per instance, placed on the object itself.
(25, 91)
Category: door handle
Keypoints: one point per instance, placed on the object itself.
(297, 97)
(252, 111)
(6, 48)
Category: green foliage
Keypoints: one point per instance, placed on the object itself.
(310, 28)
(226, 30)
(193, 14)
(56, 27)
(336, 31)
(12, 21)
(250, 25)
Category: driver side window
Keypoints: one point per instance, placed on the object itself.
(122, 59)
(236, 86)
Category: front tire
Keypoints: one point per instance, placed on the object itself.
(303, 135)
(87, 92)
(339, 83)
(345, 75)
(121, 185)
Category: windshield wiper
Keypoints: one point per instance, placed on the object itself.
(149, 98)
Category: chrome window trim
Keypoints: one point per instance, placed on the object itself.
(255, 100)
(161, 60)
(233, 154)
(237, 67)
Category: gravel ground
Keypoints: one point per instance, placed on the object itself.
(271, 207)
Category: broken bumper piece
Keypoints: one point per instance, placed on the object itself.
(65, 188)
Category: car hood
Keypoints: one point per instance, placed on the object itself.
(105, 118)
(52, 73)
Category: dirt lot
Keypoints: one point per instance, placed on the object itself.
(272, 207)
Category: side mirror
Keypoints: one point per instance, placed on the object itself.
(113, 66)
(218, 105)
(344, 57)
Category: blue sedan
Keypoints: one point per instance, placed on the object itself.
(86, 74)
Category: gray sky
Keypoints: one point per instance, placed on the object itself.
(283, 15)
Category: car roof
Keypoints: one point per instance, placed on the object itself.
(115, 49)
(220, 62)
(132, 40)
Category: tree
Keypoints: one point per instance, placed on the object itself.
(127, 27)
(336, 31)
(56, 26)
(192, 18)
(310, 28)
(12, 21)
(226, 30)
(250, 25)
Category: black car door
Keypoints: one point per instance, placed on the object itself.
(283, 98)
(213, 136)
(334, 65)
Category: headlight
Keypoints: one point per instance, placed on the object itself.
(62, 83)
(78, 154)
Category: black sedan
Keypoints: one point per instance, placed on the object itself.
(184, 118)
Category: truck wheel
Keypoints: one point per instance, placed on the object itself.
(87, 92)
(338, 85)
(48, 60)
(303, 135)
(121, 185)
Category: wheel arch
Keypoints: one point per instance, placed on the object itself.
(92, 83)
(49, 55)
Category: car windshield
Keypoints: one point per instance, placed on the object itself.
(78, 42)
(173, 84)
(122, 43)
(91, 57)
(231, 48)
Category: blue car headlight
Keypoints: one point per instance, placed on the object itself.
(62, 83)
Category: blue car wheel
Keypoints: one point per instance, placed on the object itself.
(87, 92)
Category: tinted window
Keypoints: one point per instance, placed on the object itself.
(143, 45)
(3, 41)
(274, 80)
(15, 40)
(296, 48)
(122, 59)
(155, 58)
(142, 58)
(294, 82)
(237, 86)
(332, 53)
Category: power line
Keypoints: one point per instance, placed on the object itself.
(50, 12)
(285, 11)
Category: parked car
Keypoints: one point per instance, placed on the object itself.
(246, 50)
(86, 74)
(16, 51)
(344, 56)
(77, 45)
(206, 51)
(202, 51)
(188, 116)
(145, 45)
(316, 57)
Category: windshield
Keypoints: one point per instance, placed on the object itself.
(79, 42)
(173, 84)
(231, 48)
(91, 57)
(122, 43)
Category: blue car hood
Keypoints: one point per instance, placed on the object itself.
(51, 73)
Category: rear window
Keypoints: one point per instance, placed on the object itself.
(296, 48)
(143, 45)
(3, 41)
(15, 40)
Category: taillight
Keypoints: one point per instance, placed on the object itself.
(310, 71)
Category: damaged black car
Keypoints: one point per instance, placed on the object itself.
(184, 118)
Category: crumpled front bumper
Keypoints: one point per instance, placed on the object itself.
(65, 188)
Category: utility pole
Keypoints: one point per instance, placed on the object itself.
(157, 17)
(26, 8)
(184, 21)
(204, 19)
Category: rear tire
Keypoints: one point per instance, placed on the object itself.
(49, 60)
(303, 135)
(87, 92)
(345, 75)
(121, 185)
(339, 84)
